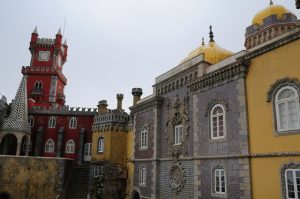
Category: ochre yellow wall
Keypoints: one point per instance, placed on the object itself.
(263, 72)
(266, 176)
(115, 147)
(130, 166)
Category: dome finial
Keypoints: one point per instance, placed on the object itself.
(271, 2)
(203, 43)
(211, 34)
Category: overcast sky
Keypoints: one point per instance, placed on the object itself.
(115, 45)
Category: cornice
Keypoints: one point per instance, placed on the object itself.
(148, 104)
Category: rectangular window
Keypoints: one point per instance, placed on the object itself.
(292, 181)
(143, 175)
(220, 183)
(178, 135)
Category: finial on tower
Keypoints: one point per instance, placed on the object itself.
(203, 43)
(271, 2)
(35, 30)
(59, 31)
(65, 42)
(211, 34)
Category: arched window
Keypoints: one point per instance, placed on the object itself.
(217, 122)
(49, 146)
(143, 173)
(73, 123)
(287, 109)
(52, 122)
(70, 146)
(31, 121)
(219, 181)
(38, 86)
(100, 147)
(144, 137)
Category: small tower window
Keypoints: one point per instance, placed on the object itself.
(144, 137)
(52, 122)
(100, 147)
(178, 134)
(217, 122)
(70, 146)
(143, 173)
(38, 86)
(73, 123)
(49, 146)
(31, 121)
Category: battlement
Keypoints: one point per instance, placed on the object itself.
(111, 116)
(43, 69)
(64, 110)
(45, 41)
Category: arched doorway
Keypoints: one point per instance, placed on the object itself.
(9, 145)
(135, 195)
(4, 195)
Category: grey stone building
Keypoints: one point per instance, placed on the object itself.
(191, 133)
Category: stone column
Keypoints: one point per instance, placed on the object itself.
(18, 148)
(27, 146)
(81, 145)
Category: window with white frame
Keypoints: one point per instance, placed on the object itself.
(31, 121)
(217, 122)
(144, 137)
(287, 109)
(219, 181)
(70, 146)
(26, 144)
(52, 122)
(143, 174)
(292, 183)
(178, 134)
(100, 147)
(49, 146)
(73, 123)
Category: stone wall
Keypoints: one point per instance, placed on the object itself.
(34, 178)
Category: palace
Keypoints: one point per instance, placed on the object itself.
(218, 125)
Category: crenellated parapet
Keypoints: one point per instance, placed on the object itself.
(111, 120)
(64, 110)
(43, 70)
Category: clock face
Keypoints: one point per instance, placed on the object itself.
(44, 55)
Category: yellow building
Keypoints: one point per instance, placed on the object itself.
(273, 90)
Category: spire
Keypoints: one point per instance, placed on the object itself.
(203, 43)
(65, 42)
(271, 2)
(35, 30)
(59, 31)
(211, 34)
(18, 118)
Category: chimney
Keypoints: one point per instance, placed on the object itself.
(119, 98)
(102, 106)
(137, 93)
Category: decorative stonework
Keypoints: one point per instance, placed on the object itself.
(177, 114)
(147, 105)
(287, 81)
(176, 174)
(214, 102)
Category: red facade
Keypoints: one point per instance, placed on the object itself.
(57, 130)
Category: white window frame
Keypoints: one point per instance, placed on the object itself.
(52, 122)
(143, 175)
(294, 183)
(217, 116)
(49, 146)
(100, 145)
(285, 101)
(144, 138)
(31, 121)
(218, 179)
(70, 147)
(178, 134)
(73, 123)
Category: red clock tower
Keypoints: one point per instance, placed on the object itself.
(46, 82)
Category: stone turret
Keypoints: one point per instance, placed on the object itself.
(120, 99)
(137, 93)
(102, 106)
(298, 4)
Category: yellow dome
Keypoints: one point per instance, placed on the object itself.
(212, 53)
(272, 9)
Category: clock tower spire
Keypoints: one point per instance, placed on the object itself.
(45, 80)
